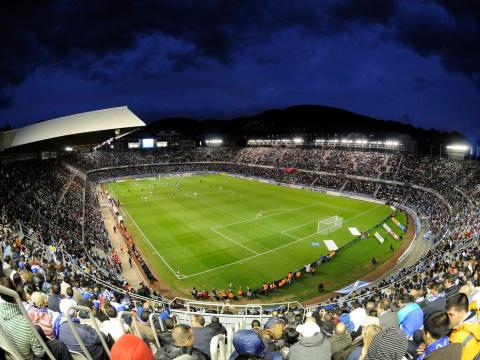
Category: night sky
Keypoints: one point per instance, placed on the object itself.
(414, 61)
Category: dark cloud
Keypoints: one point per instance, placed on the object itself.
(97, 38)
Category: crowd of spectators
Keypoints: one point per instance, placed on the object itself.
(53, 257)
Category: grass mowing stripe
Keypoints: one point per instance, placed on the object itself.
(179, 226)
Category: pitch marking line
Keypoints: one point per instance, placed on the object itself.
(214, 228)
(265, 217)
(230, 239)
(302, 225)
(297, 239)
(148, 241)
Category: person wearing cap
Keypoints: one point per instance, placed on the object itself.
(130, 347)
(248, 344)
(311, 344)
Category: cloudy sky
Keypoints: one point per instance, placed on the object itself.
(416, 61)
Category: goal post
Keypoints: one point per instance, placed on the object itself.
(329, 225)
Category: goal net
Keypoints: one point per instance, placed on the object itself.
(329, 225)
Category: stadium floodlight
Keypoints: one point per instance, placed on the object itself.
(362, 142)
(214, 141)
(297, 140)
(68, 148)
(458, 147)
(392, 143)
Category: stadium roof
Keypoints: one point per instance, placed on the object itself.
(88, 122)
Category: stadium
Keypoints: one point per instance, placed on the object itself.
(231, 232)
(163, 195)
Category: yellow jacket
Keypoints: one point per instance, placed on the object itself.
(467, 334)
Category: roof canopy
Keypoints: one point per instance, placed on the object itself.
(93, 121)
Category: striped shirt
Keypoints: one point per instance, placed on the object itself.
(20, 334)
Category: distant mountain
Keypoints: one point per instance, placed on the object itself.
(308, 121)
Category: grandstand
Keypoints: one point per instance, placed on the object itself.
(76, 276)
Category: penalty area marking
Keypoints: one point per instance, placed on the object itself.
(297, 239)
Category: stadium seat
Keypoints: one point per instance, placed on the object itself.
(77, 355)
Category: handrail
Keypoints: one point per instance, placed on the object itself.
(14, 294)
(227, 163)
(229, 349)
(122, 323)
(217, 347)
(154, 330)
(95, 327)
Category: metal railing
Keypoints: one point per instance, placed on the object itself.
(71, 324)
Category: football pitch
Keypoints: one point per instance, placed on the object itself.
(214, 230)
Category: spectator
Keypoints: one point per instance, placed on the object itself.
(41, 315)
(256, 326)
(248, 345)
(88, 335)
(67, 302)
(311, 343)
(183, 338)
(290, 337)
(203, 335)
(130, 347)
(435, 299)
(165, 337)
(113, 326)
(16, 326)
(54, 298)
(435, 335)
(464, 325)
(387, 318)
(340, 339)
(410, 315)
(369, 333)
(387, 344)
(216, 326)
(450, 287)
(273, 320)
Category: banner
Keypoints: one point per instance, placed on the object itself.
(396, 222)
(379, 237)
(330, 244)
(389, 230)
(289, 170)
(354, 231)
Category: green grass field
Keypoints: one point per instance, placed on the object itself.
(207, 232)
